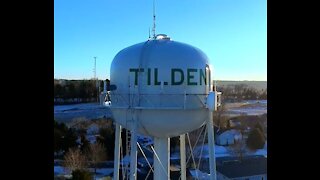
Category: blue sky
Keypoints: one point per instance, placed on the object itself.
(232, 33)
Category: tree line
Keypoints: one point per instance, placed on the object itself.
(76, 91)
(242, 92)
(79, 91)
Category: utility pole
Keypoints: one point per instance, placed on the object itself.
(95, 77)
(94, 68)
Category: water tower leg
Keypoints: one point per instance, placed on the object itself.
(117, 152)
(104, 86)
(133, 153)
(162, 168)
(183, 156)
(212, 158)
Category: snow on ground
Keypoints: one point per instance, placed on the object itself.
(175, 155)
(197, 174)
(93, 129)
(101, 172)
(249, 107)
(247, 111)
(220, 151)
(67, 113)
(91, 138)
(256, 101)
(262, 152)
(70, 107)
(58, 170)
(61, 170)
(95, 110)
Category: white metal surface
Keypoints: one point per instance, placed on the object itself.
(161, 159)
(212, 158)
(167, 80)
(212, 101)
(163, 85)
(170, 122)
(133, 153)
(183, 156)
(117, 152)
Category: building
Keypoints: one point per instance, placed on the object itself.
(225, 138)
(249, 168)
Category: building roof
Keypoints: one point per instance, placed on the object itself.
(249, 166)
(229, 131)
(217, 130)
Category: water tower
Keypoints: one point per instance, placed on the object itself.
(161, 88)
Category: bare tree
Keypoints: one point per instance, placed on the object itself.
(238, 148)
(74, 159)
(219, 117)
(96, 154)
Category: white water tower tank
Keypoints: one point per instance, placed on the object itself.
(163, 85)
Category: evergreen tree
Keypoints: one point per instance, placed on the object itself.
(259, 126)
(81, 175)
(107, 137)
(255, 139)
(64, 138)
(70, 139)
(85, 144)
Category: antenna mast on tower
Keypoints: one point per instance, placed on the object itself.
(154, 21)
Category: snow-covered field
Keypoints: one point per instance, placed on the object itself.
(66, 113)
(250, 107)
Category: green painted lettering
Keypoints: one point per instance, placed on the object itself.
(135, 70)
(156, 82)
(203, 76)
(177, 76)
(189, 76)
(173, 82)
